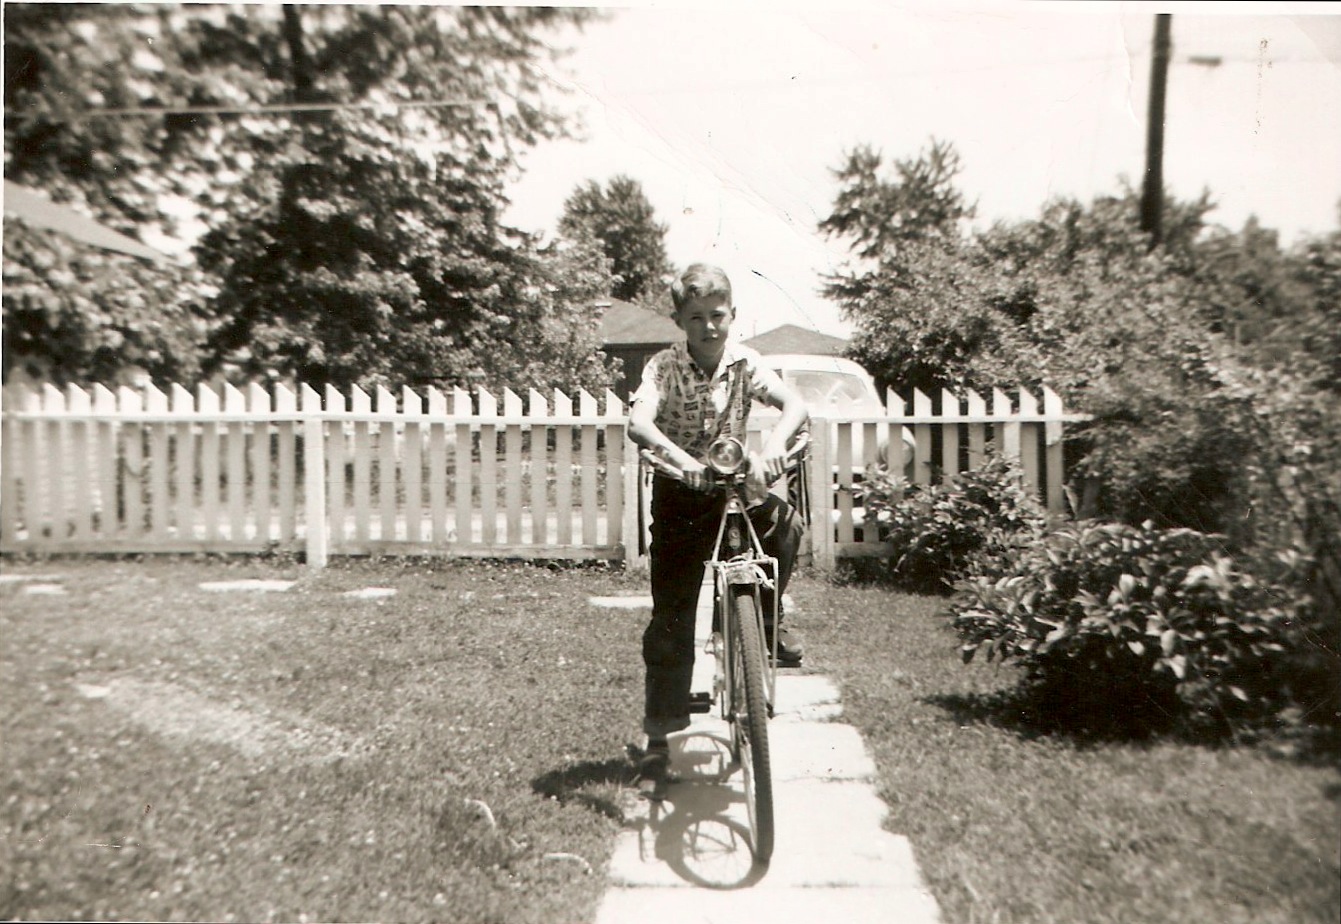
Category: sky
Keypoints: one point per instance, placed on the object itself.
(733, 116)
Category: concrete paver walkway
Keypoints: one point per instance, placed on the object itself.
(688, 858)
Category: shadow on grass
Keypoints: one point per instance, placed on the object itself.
(1026, 715)
(584, 782)
(1032, 714)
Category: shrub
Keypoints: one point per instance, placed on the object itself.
(944, 532)
(1138, 629)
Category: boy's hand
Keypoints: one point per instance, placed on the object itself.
(770, 466)
(697, 476)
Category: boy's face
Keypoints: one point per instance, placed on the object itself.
(706, 321)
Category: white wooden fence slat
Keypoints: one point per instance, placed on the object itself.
(183, 404)
(589, 463)
(335, 471)
(1007, 432)
(207, 404)
(538, 408)
(437, 466)
(80, 402)
(563, 470)
(844, 499)
(132, 462)
(34, 472)
(156, 402)
(1029, 433)
(236, 435)
(462, 410)
(56, 471)
(898, 449)
(950, 432)
(412, 467)
(106, 461)
(258, 403)
(286, 402)
(615, 468)
(385, 437)
(1053, 450)
(921, 439)
(488, 480)
(512, 467)
(314, 480)
(361, 405)
(977, 432)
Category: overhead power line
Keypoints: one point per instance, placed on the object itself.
(132, 111)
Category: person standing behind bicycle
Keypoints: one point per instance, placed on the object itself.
(690, 394)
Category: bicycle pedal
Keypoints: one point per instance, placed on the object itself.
(700, 702)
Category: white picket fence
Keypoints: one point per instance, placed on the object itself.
(442, 473)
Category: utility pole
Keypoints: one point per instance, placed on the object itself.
(1152, 192)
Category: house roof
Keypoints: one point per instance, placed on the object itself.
(790, 338)
(627, 324)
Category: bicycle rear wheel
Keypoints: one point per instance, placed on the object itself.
(749, 712)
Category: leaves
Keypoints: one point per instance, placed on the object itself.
(621, 219)
(359, 241)
(1100, 596)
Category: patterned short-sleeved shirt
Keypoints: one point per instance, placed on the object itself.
(693, 408)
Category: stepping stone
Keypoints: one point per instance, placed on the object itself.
(44, 590)
(249, 584)
(370, 593)
(688, 857)
(806, 698)
(637, 602)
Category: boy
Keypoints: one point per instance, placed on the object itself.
(690, 394)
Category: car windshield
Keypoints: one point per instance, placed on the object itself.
(828, 388)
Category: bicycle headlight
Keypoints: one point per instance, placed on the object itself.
(726, 455)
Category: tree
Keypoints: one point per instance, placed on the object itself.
(72, 312)
(349, 162)
(370, 246)
(620, 217)
(881, 217)
(913, 297)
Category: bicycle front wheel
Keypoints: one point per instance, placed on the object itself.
(749, 715)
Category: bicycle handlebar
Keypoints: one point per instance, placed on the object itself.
(795, 454)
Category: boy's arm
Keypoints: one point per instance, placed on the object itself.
(773, 457)
(644, 431)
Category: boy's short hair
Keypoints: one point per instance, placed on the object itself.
(700, 280)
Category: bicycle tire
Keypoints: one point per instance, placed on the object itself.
(750, 719)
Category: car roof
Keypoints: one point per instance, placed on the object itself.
(816, 362)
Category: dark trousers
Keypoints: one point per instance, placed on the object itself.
(684, 528)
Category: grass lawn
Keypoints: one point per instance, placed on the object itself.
(455, 753)
(1014, 827)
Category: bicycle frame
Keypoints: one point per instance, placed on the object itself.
(740, 567)
(744, 563)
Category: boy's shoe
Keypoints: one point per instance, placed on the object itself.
(654, 764)
(654, 770)
(790, 649)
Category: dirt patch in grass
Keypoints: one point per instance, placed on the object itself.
(174, 711)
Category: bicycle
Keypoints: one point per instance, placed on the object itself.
(745, 674)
